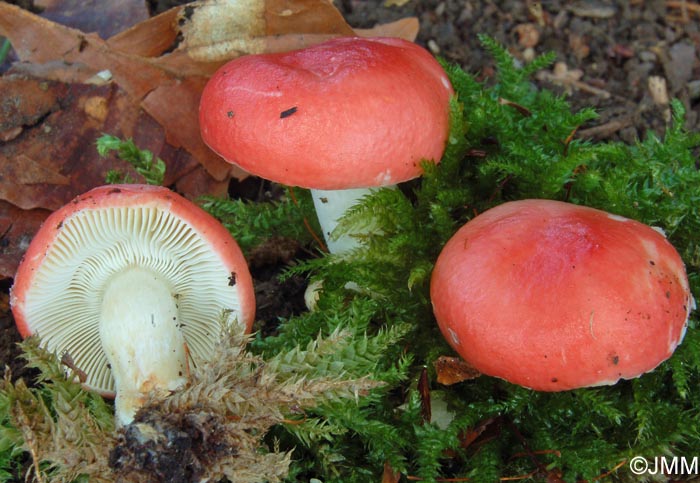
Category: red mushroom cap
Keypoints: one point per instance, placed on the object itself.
(347, 113)
(555, 296)
(57, 286)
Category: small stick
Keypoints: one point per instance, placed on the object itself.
(606, 129)
(307, 224)
(67, 361)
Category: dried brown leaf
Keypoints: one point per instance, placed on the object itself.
(222, 29)
(24, 102)
(54, 158)
(171, 105)
(199, 182)
(146, 83)
(471, 435)
(150, 38)
(26, 171)
(451, 370)
(17, 228)
(405, 28)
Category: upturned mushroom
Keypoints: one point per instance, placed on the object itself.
(554, 296)
(134, 283)
(339, 118)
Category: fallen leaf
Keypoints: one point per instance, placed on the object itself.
(137, 76)
(24, 102)
(24, 170)
(198, 182)
(150, 38)
(54, 159)
(171, 104)
(469, 436)
(38, 41)
(451, 370)
(17, 228)
(405, 28)
(222, 29)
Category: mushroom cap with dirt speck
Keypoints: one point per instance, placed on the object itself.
(348, 113)
(61, 280)
(554, 296)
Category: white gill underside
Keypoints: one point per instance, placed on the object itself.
(94, 245)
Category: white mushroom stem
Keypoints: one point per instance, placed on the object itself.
(140, 336)
(330, 206)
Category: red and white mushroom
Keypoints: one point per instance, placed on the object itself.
(134, 283)
(340, 118)
(554, 296)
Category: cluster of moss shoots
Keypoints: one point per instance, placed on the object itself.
(343, 393)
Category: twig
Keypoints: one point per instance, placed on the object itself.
(605, 475)
(314, 235)
(564, 77)
(606, 129)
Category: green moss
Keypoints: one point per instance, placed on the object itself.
(151, 170)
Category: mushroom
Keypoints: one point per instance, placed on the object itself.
(134, 283)
(554, 296)
(339, 118)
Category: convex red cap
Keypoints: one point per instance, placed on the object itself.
(555, 296)
(83, 247)
(347, 113)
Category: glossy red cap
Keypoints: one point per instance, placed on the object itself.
(347, 113)
(554, 296)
